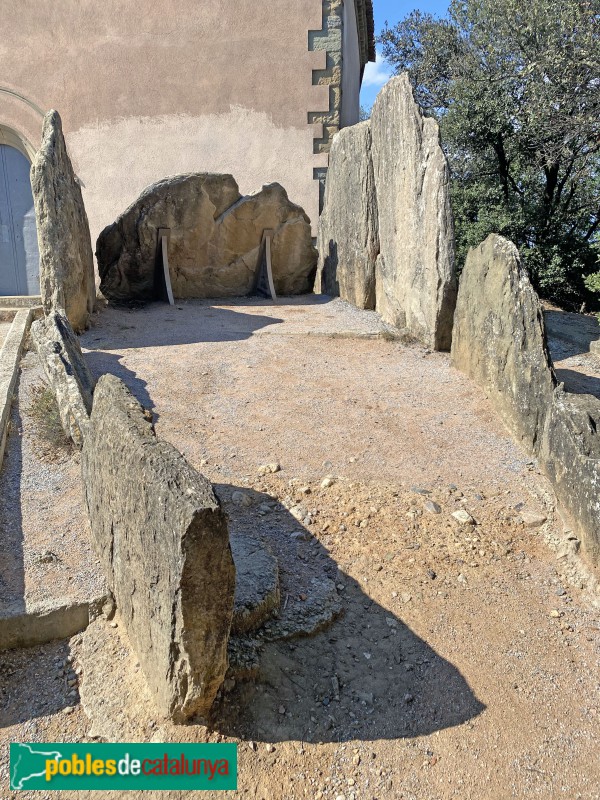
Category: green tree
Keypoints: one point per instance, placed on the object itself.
(516, 88)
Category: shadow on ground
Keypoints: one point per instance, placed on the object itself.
(159, 325)
(367, 676)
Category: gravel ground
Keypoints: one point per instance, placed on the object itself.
(466, 662)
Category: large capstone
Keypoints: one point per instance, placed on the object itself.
(415, 275)
(215, 236)
(348, 240)
(499, 338)
(67, 372)
(66, 261)
(163, 543)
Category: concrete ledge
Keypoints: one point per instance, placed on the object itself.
(20, 301)
(10, 357)
(38, 627)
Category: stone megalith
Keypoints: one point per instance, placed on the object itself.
(499, 338)
(415, 274)
(348, 241)
(163, 543)
(66, 260)
(570, 457)
(67, 373)
(215, 239)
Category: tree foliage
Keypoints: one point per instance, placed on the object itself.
(516, 89)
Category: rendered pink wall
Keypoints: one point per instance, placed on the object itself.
(148, 90)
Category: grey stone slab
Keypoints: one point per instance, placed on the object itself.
(163, 544)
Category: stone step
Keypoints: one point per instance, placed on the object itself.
(20, 301)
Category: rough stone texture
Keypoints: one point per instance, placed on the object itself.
(348, 240)
(66, 260)
(163, 543)
(499, 338)
(257, 595)
(415, 275)
(595, 347)
(66, 371)
(215, 239)
(570, 457)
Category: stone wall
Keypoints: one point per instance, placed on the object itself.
(499, 341)
(163, 544)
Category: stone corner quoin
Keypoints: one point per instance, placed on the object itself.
(67, 280)
(163, 544)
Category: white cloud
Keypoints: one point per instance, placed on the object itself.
(377, 73)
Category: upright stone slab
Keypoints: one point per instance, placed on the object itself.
(499, 338)
(415, 275)
(570, 457)
(163, 543)
(66, 260)
(348, 241)
(66, 371)
(214, 244)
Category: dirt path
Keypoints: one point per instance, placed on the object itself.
(466, 662)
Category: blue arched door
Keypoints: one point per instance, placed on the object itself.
(19, 256)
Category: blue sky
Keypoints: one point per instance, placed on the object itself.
(392, 11)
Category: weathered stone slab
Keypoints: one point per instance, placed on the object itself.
(415, 275)
(595, 347)
(67, 373)
(499, 338)
(163, 543)
(348, 241)
(66, 260)
(215, 238)
(570, 457)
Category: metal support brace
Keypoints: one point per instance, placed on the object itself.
(163, 283)
(264, 285)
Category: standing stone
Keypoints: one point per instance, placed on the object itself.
(66, 259)
(163, 543)
(499, 338)
(348, 241)
(415, 275)
(570, 457)
(215, 240)
(67, 373)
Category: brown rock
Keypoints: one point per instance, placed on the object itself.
(163, 543)
(348, 241)
(66, 261)
(66, 371)
(215, 238)
(415, 275)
